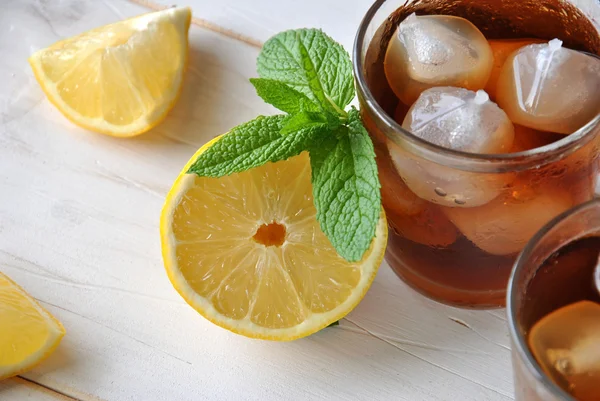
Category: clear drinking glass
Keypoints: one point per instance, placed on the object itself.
(525, 308)
(456, 250)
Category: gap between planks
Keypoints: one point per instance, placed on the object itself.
(206, 24)
(42, 388)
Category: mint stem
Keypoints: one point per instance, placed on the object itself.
(336, 108)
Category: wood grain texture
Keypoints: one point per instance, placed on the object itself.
(79, 231)
(19, 389)
(260, 19)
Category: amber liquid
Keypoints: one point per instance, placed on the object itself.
(564, 279)
(458, 272)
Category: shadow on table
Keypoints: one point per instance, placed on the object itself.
(397, 339)
(62, 359)
(199, 109)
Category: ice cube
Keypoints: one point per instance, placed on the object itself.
(395, 195)
(436, 50)
(460, 119)
(457, 119)
(504, 225)
(444, 185)
(501, 49)
(566, 344)
(550, 88)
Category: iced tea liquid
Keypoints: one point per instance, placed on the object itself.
(561, 319)
(455, 253)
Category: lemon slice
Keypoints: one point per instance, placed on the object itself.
(247, 253)
(28, 333)
(120, 79)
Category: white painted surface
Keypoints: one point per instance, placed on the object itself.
(79, 231)
(19, 389)
(260, 19)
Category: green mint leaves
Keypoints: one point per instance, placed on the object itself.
(282, 96)
(312, 63)
(346, 187)
(307, 75)
(253, 144)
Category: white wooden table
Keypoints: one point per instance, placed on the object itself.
(79, 231)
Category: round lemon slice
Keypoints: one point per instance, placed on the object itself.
(246, 251)
(120, 79)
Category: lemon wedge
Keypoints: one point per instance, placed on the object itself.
(120, 79)
(28, 333)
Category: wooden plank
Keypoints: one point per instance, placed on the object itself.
(19, 389)
(204, 23)
(79, 230)
(260, 19)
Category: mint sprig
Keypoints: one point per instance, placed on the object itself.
(307, 75)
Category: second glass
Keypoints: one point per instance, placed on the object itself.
(552, 278)
(460, 249)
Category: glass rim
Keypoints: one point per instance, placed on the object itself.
(511, 302)
(493, 163)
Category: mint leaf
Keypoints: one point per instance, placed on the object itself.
(309, 76)
(302, 120)
(282, 96)
(346, 188)
(312, 63)
(253, 144)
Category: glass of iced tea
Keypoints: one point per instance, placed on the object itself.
(554, 310)
(474, 157)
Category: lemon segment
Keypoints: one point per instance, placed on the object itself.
(120, 79)
(246, 251)
(28, 332)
